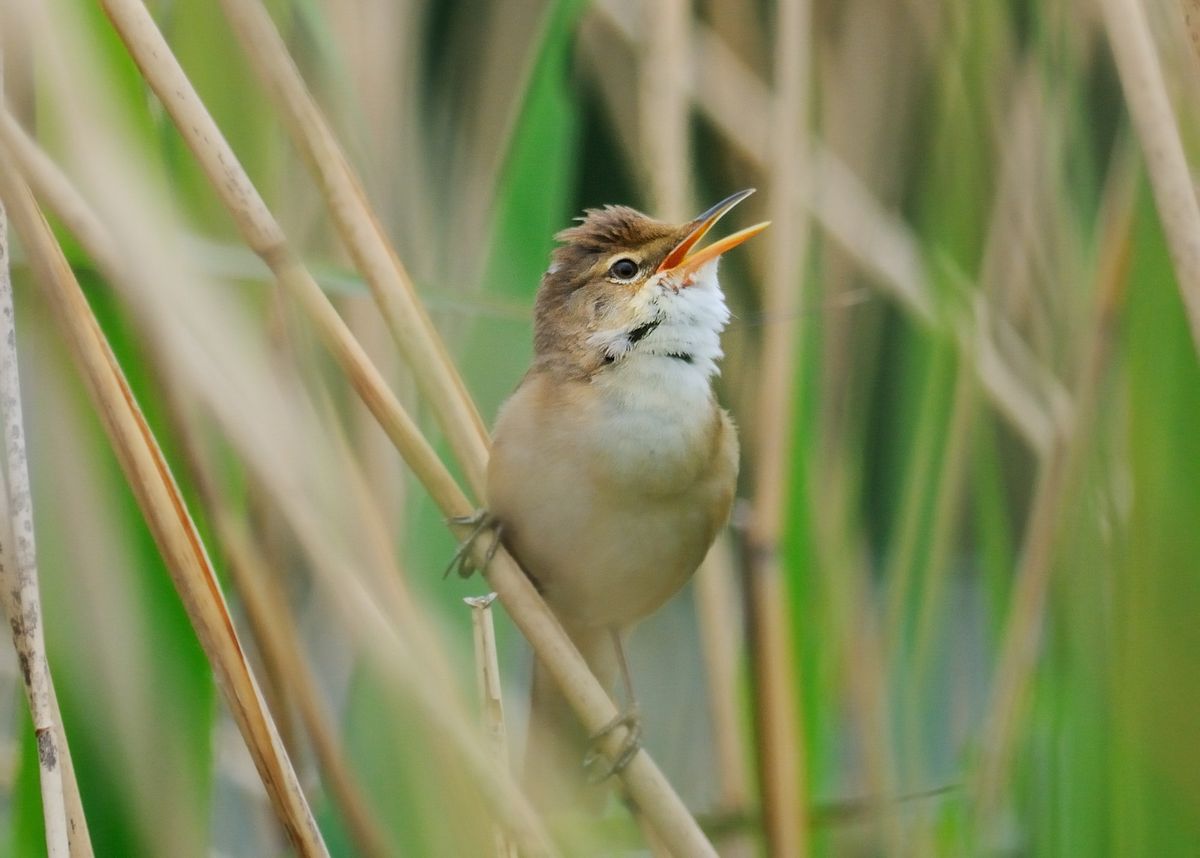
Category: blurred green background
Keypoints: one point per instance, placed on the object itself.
(989, 542)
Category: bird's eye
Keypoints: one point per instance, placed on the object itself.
(624, 269)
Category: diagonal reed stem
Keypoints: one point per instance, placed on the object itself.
(364, 610)
(642, 778)
(1158, 132)
(164, 510)
(363, 237)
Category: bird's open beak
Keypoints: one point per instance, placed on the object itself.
(681, 261)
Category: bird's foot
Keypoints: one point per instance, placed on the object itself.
(478, 521)
(631, 720)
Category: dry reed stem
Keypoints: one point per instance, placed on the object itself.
(664, 108)
(275, 634)
(491, 697)
(61, 802)
(734, 99)
(642, 778)
(1191, 19)
(168, 519)
(1021, 640)
(362, 609)
(19, 581)
(277, 638)
(262, 234)
(781, 753)
(272, 629)
(360, 230)
(1158, 132)
(717, 612)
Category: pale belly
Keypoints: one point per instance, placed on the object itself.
(613, 518)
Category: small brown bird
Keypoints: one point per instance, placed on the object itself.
(612, 465)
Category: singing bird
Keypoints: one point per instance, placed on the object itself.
(612, 465)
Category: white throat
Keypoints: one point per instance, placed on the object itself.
(682, 335)
(658, 403)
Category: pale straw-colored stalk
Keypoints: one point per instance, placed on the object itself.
(1158, 132)
(733, 98)
(718, 614)
(491, 698)
(643, 780)
(62, 806)
(260, 444)
(158, 497)
(356, 223)
(1191, 19)
(279, 642)
(781, 753)
(274, 631)
(272, 627)
(664, 108)
(18, 576)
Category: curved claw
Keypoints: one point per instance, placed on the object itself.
(479, 521)
(632, 722)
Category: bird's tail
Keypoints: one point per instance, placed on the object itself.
(554, 776)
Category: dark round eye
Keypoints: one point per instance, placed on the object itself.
(624, 269)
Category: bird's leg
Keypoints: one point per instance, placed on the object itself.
(629, 718)
(478, 521)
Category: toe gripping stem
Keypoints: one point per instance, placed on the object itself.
(478, 521)
(632, 722)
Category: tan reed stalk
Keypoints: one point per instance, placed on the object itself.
(1158, 132)
(780, 743)
(1191, 18)
(718, 616)
(164, 510)
(277, 638)
(362, 608)
(642, 778)
(491, 698)
(62, 804)
(1021, 640)
(733, 98)
(357, 224)
(19, 580)
(270, 600)
(664, 109)
(275, 634)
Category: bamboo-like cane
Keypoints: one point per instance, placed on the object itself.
(491, 699)
(168, 519)
(642, 778)
(1158, 132)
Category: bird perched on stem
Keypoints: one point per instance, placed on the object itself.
(612, 465)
